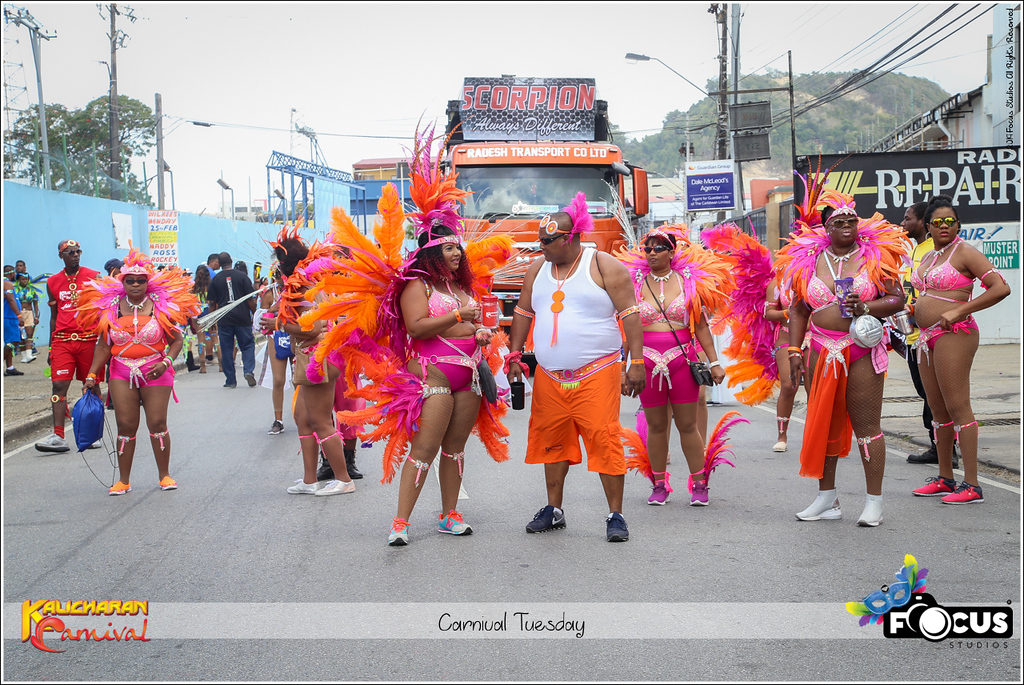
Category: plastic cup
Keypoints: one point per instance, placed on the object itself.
(843, 287)
(518, 394)
(489, 308)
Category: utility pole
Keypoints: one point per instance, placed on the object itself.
(722, 128)
(736, 95)
(159, 152)
(23, 18)
(117, 39)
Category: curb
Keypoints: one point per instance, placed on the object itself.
(986, 462)
(41, 421)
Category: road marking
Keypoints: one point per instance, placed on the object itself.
(981, 479)
(19, 450)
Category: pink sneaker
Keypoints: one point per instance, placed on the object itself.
(965, 493)
(659, 496)
(699, 494)
(936, 486)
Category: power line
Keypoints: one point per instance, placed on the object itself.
(275, 129)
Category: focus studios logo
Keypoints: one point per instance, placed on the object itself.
(904, 609)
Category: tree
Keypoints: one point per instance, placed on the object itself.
(80, 146)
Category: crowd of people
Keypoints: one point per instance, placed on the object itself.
(399, 348)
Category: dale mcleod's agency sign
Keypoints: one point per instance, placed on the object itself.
(710, 186)
(514, 108)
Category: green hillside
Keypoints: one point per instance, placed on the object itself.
(852, 122)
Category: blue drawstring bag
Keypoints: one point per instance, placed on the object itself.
(87, 418)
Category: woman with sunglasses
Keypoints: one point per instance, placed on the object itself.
(137, 316)
(675, 283)
(830, 251)
(947, 344)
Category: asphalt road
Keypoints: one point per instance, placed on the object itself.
(246, 582)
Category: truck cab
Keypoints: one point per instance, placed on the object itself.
(514, 183)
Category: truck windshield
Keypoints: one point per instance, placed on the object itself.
(504, 190)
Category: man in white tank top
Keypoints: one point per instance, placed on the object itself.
(572, 297)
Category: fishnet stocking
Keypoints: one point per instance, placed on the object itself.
(946, 376)
(864, 405)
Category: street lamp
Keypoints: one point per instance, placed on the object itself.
(634, 57)
(280, 196)
(167, 168)
(223, 184)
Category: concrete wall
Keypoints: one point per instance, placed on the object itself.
(35, 220)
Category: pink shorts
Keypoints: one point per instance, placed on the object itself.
(684, 389)
(120, 371)
(460, 378)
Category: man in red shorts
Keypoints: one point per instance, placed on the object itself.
(71, 348)
(572, 297)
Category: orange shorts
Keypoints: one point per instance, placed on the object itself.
(559, 418)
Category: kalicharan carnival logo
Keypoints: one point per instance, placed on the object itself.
(904, 609)
(52, 616)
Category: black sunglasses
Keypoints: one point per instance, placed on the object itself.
(548, 241)
(135, 281)
(656, 248)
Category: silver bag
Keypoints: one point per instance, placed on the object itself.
(866, 330)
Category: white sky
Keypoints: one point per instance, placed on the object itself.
(376, 69)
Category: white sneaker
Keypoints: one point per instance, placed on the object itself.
(95, 446)
(872, 515)
(336, 487)
(825, 506)
(53, 444)
(301, 488)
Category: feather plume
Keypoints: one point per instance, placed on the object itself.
(170, 291)
(717, 448)
(579, 212)
(704, 275)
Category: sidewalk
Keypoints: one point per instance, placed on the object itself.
(995, 398)
(26, 407)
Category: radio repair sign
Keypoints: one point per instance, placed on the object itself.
(710, 186)
(514, 108)
(984, 183)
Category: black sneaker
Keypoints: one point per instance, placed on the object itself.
(325, 472)
(276, 428)
(546, 520)
(13, 372)
(617, 531)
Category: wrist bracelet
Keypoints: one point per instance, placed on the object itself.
(458, 316)
(796, 354)
(794, 348)
(92, 376)
(636, 361)
(713, 364)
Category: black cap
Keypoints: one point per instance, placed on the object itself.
(112, 264)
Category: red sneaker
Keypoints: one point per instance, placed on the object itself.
(965, 494)
(936, 486)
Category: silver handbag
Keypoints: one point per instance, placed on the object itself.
(866, 330)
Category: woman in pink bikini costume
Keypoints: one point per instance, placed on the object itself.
(137, 315)
(846, 377)
(675, 282)
(949, 339)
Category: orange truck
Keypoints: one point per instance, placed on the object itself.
(525, 147)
